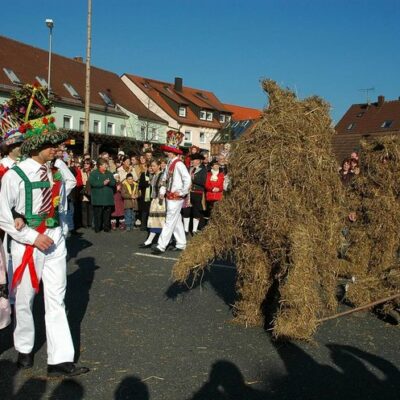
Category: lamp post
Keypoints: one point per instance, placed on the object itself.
(50, 25)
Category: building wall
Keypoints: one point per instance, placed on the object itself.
(209, 133)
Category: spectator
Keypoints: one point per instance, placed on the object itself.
(136, 167)
(354, 166)
(117, 216)
(102, 184)
(156, 218)
(214, 184)
(192, 150)
(126, 168)
(129, 193)
(86, 206)
(206, 161)
(346, 175)
(143, 164)
(144, 197)
(354, 155)
(148, 154)
(163, 164)
(196, 207)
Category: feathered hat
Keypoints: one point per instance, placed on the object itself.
(31, 110)
(174, 138)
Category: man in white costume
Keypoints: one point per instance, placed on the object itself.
(177, 187)
(38, 192)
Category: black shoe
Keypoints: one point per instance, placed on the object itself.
(156, 251)
(144, 246)
(66, 369)
(176, 249)
(25, 360)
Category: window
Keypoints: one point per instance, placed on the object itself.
(123, 130)
(182, 111)
(351, 126)
(81, 124)
(67, 122)
(387, 124)
(71, 90)
(188, 136)
(203, 115)
(41, 81)
(228, 118)
(12, 76)
(154, 134)
(96, 126)
(222, 118)
(209, 116)
(106, 99)
(202, 137)
(143, 132)
(110, 128)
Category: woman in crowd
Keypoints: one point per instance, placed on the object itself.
(156, 219)
(129, 193)
(214, 185)
(196, 207)
(126, 168)
(144, 197)
(86, 206)
(117, 216)
(354, 166)
(346, 175)
(102, 184)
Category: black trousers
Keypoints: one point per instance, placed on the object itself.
(102, 218)
(196, 211)
(87, 214)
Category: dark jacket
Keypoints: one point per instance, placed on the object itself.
(101, 195)
(198, 179)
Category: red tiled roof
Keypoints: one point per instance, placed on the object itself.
(27, 62)
(163, 92)
(364, 121)
(243, 113)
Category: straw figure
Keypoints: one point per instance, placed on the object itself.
(282, 219)
(373, 255)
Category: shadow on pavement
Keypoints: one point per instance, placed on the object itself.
(131, 388)
(223, 281)
(77, 297)
(357, 375)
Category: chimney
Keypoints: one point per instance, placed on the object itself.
(178, 84)
(79, 59)
(381, 100)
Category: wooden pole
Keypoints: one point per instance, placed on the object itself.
(87, 91)
(361, 308)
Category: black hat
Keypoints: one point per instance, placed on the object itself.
(196, 156)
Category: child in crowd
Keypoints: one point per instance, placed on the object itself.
(129, 193)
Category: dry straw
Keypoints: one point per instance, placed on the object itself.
(282, 219)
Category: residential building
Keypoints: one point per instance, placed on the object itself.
(242, 119)
(117, 118)
(195, 112)
(366, 121)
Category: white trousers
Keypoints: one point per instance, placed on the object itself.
(173, 226)
(51, 267)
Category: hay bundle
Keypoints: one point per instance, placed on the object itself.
(282, 219)
(374, 239)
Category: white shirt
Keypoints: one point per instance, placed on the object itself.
(12, 194)
(181, 179)
(8, 162)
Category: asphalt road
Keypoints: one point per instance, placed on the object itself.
(144, 338)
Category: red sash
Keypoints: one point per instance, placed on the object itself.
(27, 258)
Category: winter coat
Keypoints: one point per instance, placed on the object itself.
(210, 185)
(102, 195)
(129, 202)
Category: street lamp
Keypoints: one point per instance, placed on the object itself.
(50, 25)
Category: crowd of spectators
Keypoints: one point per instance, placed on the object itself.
(121, 192)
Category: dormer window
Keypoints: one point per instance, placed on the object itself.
(72, 91)
(222, 118)
(182, 111)
(387, 124)
(351, 126)
(228, 118)
(203, 115)
(12, 76)
(209, 116)
(42, 81)
(106, 99)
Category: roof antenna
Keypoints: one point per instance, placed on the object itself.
(366, 91)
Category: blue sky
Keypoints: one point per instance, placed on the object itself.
(332, 48)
